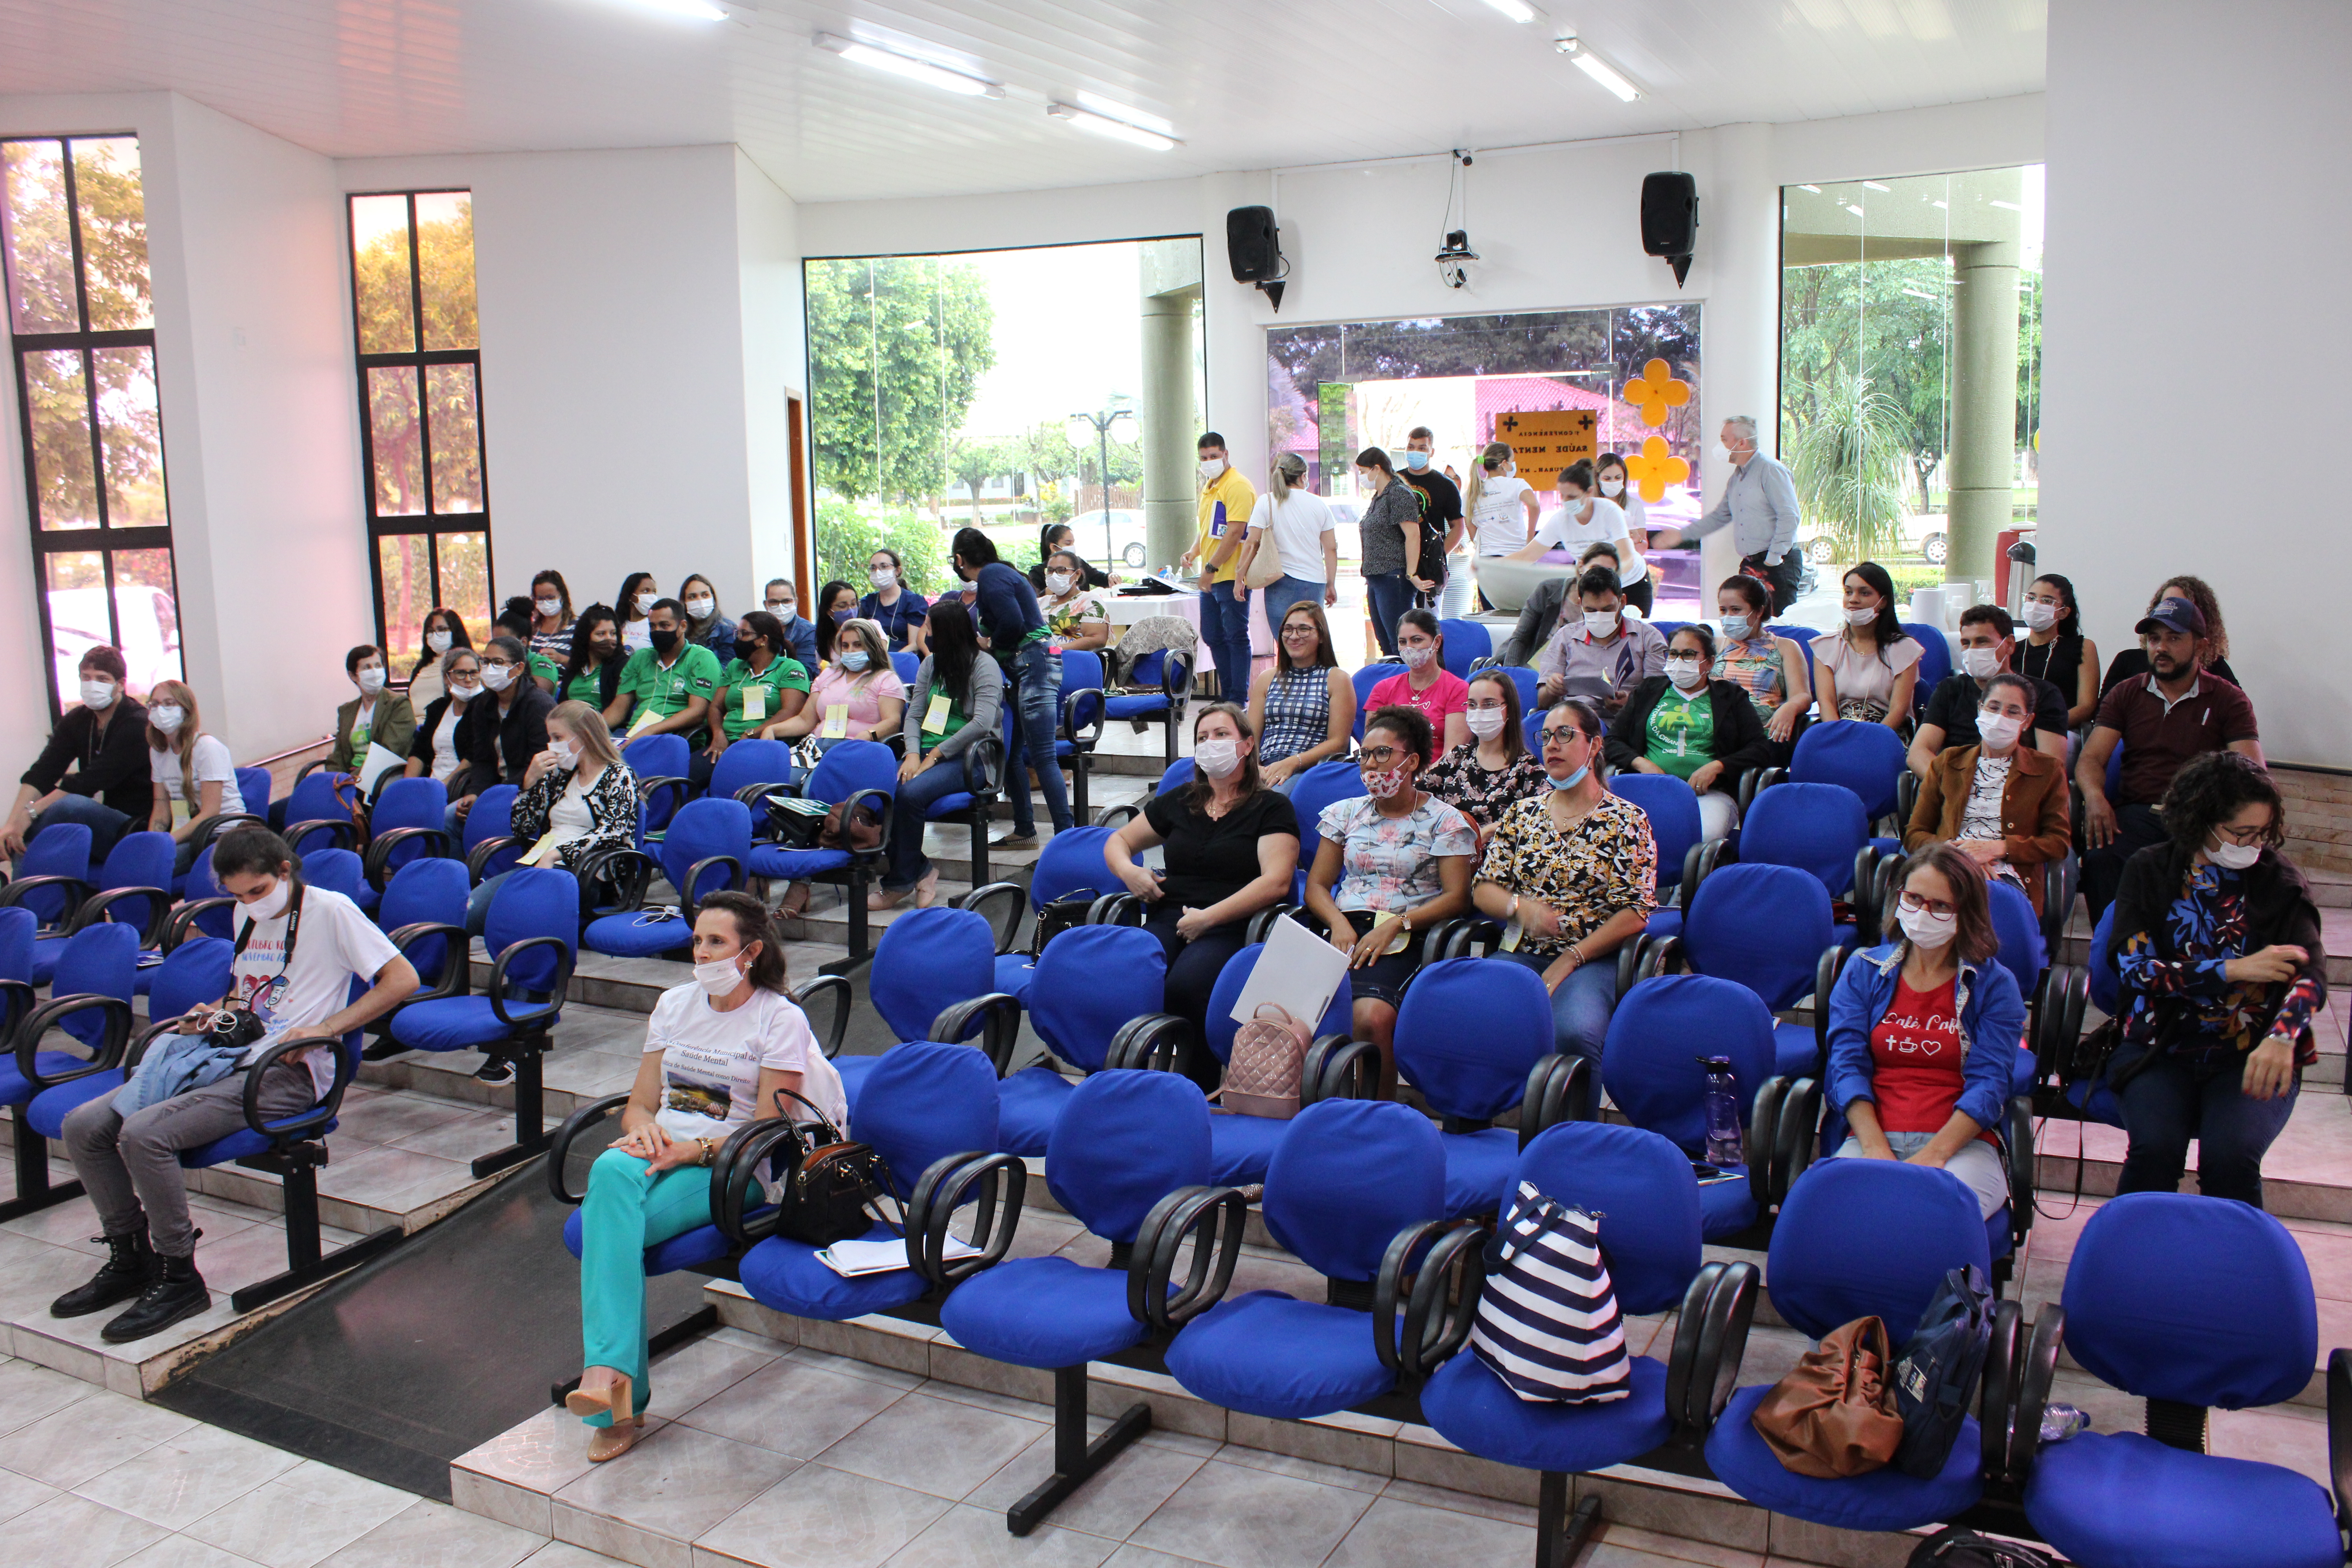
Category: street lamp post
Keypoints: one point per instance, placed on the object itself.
(1100, 424)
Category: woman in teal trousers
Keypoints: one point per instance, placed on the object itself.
(716, 1053)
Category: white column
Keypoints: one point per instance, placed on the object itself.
(1739, 241)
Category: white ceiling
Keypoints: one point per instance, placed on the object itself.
(1245, 85)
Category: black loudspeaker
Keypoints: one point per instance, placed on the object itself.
(1670, 219)
(1252, 244)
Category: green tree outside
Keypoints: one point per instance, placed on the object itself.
(896, 346)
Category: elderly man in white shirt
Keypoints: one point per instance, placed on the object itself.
(1760, 505)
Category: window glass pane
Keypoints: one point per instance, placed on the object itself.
(465, 576)
(60, 401)
(148, 617)
(76, 583)
(408, 595)
(132, 429)
(380, 280)
(445, 256)
(399, 450)
(113, 233)
(456, 438)
(39, 242)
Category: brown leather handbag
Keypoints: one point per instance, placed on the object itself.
(1834, 1414)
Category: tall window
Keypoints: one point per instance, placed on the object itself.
(73, 236)
(421, 414)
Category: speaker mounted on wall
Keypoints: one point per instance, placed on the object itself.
(1670, 220)
(1254, 246)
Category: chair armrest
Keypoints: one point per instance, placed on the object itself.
(986, 758)
(2017, 1146)
(1997, 1393)
(1559, 1089)
(380, 849)
(1157, 1042)
(1219, 1214)
(18, 999)
(651, 785)
(1002, 928)
(735, 1170)
(628, 870)
(1454, 938)
(688, 897)
(143, 1040)
(1115, 910)
(1798, 1139)
(559, 1152)
(1175, 679)
(177, 923)
(1826, 970)
(1118, 816)
(1440, 1293)
(292, 1127)
(1869, 908)
(1763, 1140)
(46, 1016)
(1906, 795)
(306, 769)
(1711, 1341)
(78, 891)
(456, 977)
(1628, 962)
(95, 910)
(344, 833)
(2040, 1366)
(212, 828)
(947, 1185)
(1659, 957)
(2061, 880)
(1336, 1068)
(496, 987)
(880, 800)
(2340, 1429)
(1260, 926)
(478, 856)
(1000, 1011)
(837, 987)
(1081, 732)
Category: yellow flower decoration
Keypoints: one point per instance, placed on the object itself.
(1656, 392)
(1654, 467)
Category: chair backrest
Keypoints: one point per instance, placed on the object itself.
(97, 960)
(320, 796)
(1091, 980)
(1466, 642)
(535, 900)
(908, 664)
(1935, 659)
(193, 974)
(923, 1101)
(749, 761)
(1174, 776)
(701, 829)
(202, 884)
(657, 756)
(1468, 1033)
(1221, 1026)
(2197, 1299)
(1667, 629)
(1865, 758)
(60, 849)
(1124, 1140)
(337, 870)
(1317, 1203)
(1072, 864)
(253, 788)
(1764, 926)
(2106, 979)
(1649, 1064)
(1861, 1238)
(927, 962)
(17, 927)
(491, 816)
(849, 767)
(1317, 787)
(1796, 634)
(430, 890)
(2019, 930)
(409, 802)
(1524, 678)
(138, 860)
(1671, 808)
(1371, 674)
(1642, 1187)
(1082, 670)
(1818, 828)
(1149, 669)
(1531, 724)
(2115, 771)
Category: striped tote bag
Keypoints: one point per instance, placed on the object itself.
(1547, 1323)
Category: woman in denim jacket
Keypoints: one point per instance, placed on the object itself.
(1924, 1032)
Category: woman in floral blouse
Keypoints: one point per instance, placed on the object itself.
(1492, 771)
(1074, 614)
(1574, 872)
(1394, 861)
(578, 796)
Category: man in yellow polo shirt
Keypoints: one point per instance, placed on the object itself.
(1226, 503)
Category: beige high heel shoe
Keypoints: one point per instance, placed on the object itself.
(618, 1401)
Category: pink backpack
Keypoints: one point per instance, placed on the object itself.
(1262, 1077)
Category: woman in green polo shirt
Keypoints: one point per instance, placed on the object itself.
(592, 673)
(760, 685)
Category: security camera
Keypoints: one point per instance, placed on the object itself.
(1457, 250)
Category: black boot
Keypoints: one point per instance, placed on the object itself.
(130, 1263)
(176, 1291)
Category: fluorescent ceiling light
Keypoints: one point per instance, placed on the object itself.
(946, 78)
(2012, 206)
(1517, 10)
(696, 10)
(1874, 185)
(1815, 189)
(1852, 208)
(1596, 68)
(1117, 130)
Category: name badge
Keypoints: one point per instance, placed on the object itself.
(836, 720)
(646, 717)
(755, 703)
(179, 813)
(935, 718)
(540, 849)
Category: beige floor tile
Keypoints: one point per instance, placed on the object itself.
(1113, 1502)
(678, 1483)
(1674, 1548)
(794, 1407)
(394, 1180)
(2285, 1434)
(28, 1393)
(33, 1274)
(1243, 1517)
(1134, 1556)
(542, 1454)
(694, 1373)
(935, 1445)
(302, 1516)
(1459, 1502)
(968, 1537)
(563, 1554)
(463, 1137)
(69, 1529)
(386, 1119)
(89, 1438)
(824, 1518)
(21, 1494)
(435, 1534)
(182, 1478)
(1302, 1470)
(1398, 1534)
(186, 1551)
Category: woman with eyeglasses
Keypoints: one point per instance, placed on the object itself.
(898, 609)
(780, 599)
(2218, 943)
(1303, 709)
(1492, 771)
(1923, 1032)
(2002, 805)
(1704, 732)
(1394, 861)
(1574, 872)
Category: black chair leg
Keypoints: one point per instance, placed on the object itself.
(1075, 1460)
(531, 1136)
(298, 1169)
(1080, 814)
(860, 948)
(1561, 1535)
(34, 1191)
(979, 820)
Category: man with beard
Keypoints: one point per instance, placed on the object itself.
(2161, 718)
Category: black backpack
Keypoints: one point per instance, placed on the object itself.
(1935, 1377)
(1953, 1547)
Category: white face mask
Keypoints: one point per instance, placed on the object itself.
(1600, 623)
(1211, 468)
(271, 904)
(700, 608)
(548, 607)
(1057, 582)
(1983, 663)
(2233, 857)
(97, 695)
(167, 717)
(371, 680)
(719, 978)
(646, 603)
(463, 692)
(1417, 658)
(1612, 487)
(1863, 617)
(1684, 672)
(1217, 757)
(1998, 730)
(2041, 616)
(563, 753)
(1926, 929)
(881, 577)
(1485, 722)
(855, 659)
(1510, 470)
(437, 642)
(498, 677)
(1737, 627)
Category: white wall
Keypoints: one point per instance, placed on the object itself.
(2196, 224)
(775, 369)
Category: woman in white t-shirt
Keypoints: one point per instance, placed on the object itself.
(195, 779)
(435, 749)
(717, 1053)
(1297, 524)
(1583, 518)
(1500, 505)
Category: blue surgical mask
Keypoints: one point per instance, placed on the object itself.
(1572, 780)
(1737, 627)
(855, 658)
(1416, 462)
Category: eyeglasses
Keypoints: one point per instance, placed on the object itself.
(1915, 903)
(497, 664)
(1378, 756)
(1492, 705)
(2244, 836)
(1560, 734)
(1297, 632)
(1996, 710)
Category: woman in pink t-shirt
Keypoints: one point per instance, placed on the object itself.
(1426, 686)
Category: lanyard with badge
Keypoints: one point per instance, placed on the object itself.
(267, 1004)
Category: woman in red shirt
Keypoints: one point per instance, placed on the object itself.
(1426, 686)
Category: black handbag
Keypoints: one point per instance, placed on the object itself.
(830, 1184)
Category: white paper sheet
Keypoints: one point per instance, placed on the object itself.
(1299, 972)
(851, 1259)
(373, 765)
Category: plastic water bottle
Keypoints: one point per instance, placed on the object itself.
(2060, 1422)
(1724, 1147)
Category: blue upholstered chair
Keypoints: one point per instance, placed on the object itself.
(1867, 759)
(703, 851)
(2028, 961)
(488, 842)
(1466, 642)
(1364, 680)
(1068, 877)
(1771, 929)
(660, 763)
(193, 975)
(1317, 787)
(1092, 981)
(133, 887)
(2189, 1303)
(1651, 1068)
(1673, 810)
(1469, 1036)
(1156, 684)
(1818, 828)
(927, 962)
(319, 813)
(1934, 660)
(52, 874)
(405, 825)
(90, 999)
(863, 774)
(1081, 724)
(750, 769)
(423, 912)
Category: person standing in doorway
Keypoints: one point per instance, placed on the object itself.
(1226, 502)
(1759, 503)
(1443, 524)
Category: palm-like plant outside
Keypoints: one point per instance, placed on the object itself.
(1848, 469)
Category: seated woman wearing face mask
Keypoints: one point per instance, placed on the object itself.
(1923, 1032)
(1232, 847)
(376, 717)
(436, 750)
(444, 630)
(1074, 617)
(721, 1051)
(1426, 685)
(1772, 670)
(195, 779)
(577, 796)
(635, 604)
(898, 610)
(1492, 771)
(1703, 731)
(2002, 805)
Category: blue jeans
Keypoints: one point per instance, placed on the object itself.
(105, 823)
(1224, 627)
(2171, 1100)
(1389, 595)
(905, 864)
(477, 903)
(1283, 593)
(1581, 1004)
(1037, 696)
